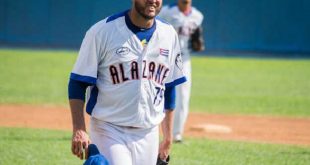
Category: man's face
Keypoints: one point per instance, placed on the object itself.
(148, 9)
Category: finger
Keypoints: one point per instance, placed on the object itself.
(84, 145)
(78, 155)
(77, 147)
(162, 156)
(72, 147)
(82, 154)
(86, 151)
(81, 149)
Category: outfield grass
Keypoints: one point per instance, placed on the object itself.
(220, 85)
(34, 147)
(35, 77)
(259, 86)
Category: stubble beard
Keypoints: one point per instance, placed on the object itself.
(140, 9)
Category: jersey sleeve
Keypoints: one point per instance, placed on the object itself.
(176, 75)
(86, 66)
(199, 18)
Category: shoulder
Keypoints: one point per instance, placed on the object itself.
(197, 14)
(165, 28)
(163, 25)
(170, 6)
(161, 21)
(168, 9)
(104, 26)
(116, 16)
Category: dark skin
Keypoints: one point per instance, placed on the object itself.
(80, 139)
(142, 14)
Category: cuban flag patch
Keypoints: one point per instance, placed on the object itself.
(163, 52)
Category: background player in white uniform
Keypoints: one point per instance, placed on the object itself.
(186, 20)
(132, 63)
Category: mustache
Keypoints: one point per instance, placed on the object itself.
(151, 4)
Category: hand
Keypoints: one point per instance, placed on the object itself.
(164, 149)
(80, 142)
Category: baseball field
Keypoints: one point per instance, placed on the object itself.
(251, 111)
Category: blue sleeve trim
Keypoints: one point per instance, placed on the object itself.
(170, 94)
(86, 79)
(92, 100)
(77, 89)
(176, 82)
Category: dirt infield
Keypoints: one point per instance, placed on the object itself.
(281, 130)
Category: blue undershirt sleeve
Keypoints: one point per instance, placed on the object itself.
(77, 89)
(170, 93)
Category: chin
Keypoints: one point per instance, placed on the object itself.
(150, 15)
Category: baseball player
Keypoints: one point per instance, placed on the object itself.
(131, 62)
(187, 21)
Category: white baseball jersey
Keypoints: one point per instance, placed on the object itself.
(183, 24)
(129, 78)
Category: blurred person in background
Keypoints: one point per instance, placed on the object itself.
(187, 21)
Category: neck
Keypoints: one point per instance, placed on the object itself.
(140, 21)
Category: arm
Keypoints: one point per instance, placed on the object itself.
(80, 139)
(84, 74)
(166, 125)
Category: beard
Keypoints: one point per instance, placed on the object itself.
(142, 10)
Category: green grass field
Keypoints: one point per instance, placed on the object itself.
(35, 77)
(251, 86)
(220, 85)
(30, 146)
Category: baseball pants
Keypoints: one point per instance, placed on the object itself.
(182, 100)
(125, 145)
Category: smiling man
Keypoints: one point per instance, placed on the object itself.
(131, 63)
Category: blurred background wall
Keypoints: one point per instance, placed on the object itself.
(230, 25)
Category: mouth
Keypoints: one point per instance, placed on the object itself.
(151, 8)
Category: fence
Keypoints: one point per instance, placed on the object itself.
(249, 25)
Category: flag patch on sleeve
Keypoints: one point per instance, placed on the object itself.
(164, 52)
